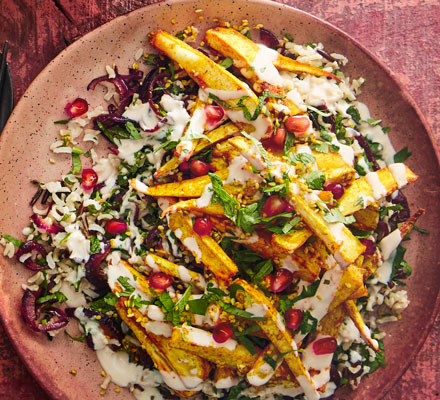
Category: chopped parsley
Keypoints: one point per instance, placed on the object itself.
(402, 155)
(224, 198)
(315, 180)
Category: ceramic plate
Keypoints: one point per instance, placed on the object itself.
(24, 155)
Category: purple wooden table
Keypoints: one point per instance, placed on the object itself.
(404, 34)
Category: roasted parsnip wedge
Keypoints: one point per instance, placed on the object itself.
(276, 331)
(183, 371)
(221, 133)
(374, 186)
(338, 239)
(178, 271)
(215, 79)
(204, 248)
(244, 51)
(356, 317)
(197, 341)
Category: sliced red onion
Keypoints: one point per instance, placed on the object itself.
(155, 77)
(370, 247)
(40, 223)
(28, 248)
(159, 125)
(268, 38)
(370, 156)
(327, 56)
(114, 150)
(93, 271)
(109, 325)
(77, 107)
(29, 313)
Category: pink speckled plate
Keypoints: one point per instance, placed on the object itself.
(24, 155)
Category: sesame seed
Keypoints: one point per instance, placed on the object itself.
(117, 390)
(103, 373)
(199, 10)
(73, 371)
(51, 160)
(173, 21)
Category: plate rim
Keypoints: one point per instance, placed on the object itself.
(56, 392)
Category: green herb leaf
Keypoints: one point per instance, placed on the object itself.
(132, 130)
(167, 145)
(320, 147)
(308, 324)
(304, 158)
(315, 180)
(288, 142)
(95, 245)
(224, 198)
(62, 122)
(402, 155)
(106, 303)
(263, 269)
(76, 164)
(260, 147)
(326, 136)
(128, 289)
(336, 216)
(218, 100)
(421, 230)
(227, 62)
(354, 113)
(360, 202)
(248, 217)
(373, 122)
(14, 241)
(77, 339)
(58, 296)
(270, 361)
(229, 308)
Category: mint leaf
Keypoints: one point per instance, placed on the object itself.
(315, 180)
(335, 215)
(288, 142)
(229, 308)
(218, 100)
(224, 198)
(227, 62)
(402, 155)
(354, 113)
(304, 158)
(131, 129)
(260, 147)
(128, 289)
(248, 217)
(14, 241)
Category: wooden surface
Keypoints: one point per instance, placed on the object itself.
(404, 34)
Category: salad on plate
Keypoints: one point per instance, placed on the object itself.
(242, 236)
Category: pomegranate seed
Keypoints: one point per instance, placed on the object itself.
(213, 113)
(297, 124)
(293, 318)
(222, 332)
(89, 178)
(370, 246)
(160, 280)
(280, 280)
(115, 226)
(325, 345)
(277, 138)
(199, 168)
(289, 208)
(274, 206)
(78, 107)
(202, 226)
(184, 167)
(336, 188)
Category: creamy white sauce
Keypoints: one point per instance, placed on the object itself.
(184, 274)
(191, 244)
(159, 328)
(224, 95)
(91, 326)
(263, 65)
(389, 243)
(155, 313)
(258, 310)
(205, 339)
(398, 171)
(116, 364)
(379, 190)
(227, 383)
(74, 299)
(205, 199)
(261, 124)
(375, 133)
(195, 129)
(142, 114)
(318, 362)
(308, 386)
(238, 171)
